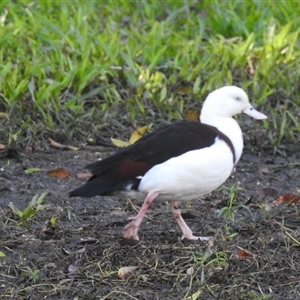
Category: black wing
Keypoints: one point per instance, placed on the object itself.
(154, 148)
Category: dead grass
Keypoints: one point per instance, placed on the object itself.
(81, 254)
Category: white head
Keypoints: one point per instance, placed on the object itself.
(227, 102)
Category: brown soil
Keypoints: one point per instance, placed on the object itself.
(79, 257)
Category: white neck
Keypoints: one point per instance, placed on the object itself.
(230, 128)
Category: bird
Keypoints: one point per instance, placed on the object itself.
(181, 161)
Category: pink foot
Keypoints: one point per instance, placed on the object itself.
(193, 237)
(131, 230)
(186, 230)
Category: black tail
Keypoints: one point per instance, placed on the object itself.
(95, 187)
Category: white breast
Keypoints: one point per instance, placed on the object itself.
(192, 174)
(231, 129)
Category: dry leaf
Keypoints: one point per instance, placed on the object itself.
(138, 133)
(2, 147)
(192, 115)
(287, 199)
(119, 143)
(190, 271)
(244, 255)
(125, 272)
(61, 173)
(61, 146)
(54, 144)
(184, 90)
(47, 228)
(210, 245)
(195, 296)
(135, 136)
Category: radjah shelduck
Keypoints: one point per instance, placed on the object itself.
(178, 162)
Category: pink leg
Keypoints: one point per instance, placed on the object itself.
(131, 230)
(186, 231)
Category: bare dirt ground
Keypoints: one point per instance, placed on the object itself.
(255, 253)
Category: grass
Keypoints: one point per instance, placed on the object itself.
(71, 68)
(30, 211)
(243, 261)
(65, 65)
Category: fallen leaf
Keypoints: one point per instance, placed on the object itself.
(195, 296)
(190, 271)
(85, 175)
(244, 255)
(287, 199)
(54, 144)
(135, 136)
(138, 133)
(61, 173)
(192, 115)
(61, 146)
(184, 90)
(119, 143)
(82, 250)
(2, 147)
(47, 228)
(33, 170)
(210, 245)
(125, 272)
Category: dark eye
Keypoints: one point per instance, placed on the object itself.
(238, 99)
